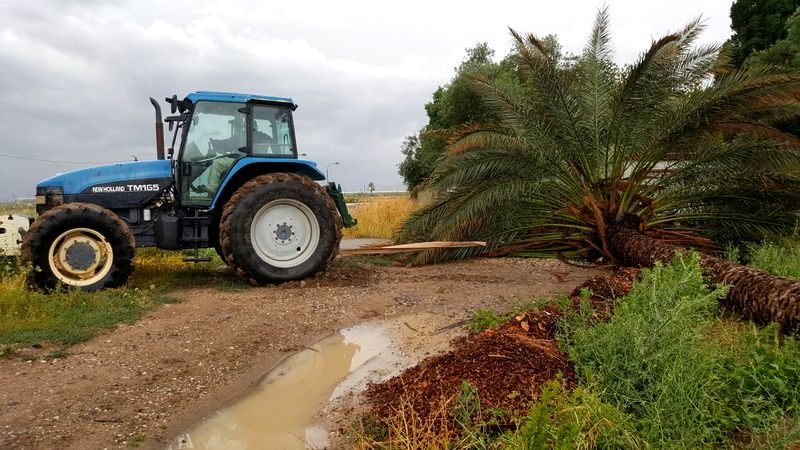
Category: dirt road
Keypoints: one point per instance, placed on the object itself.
(145, 383)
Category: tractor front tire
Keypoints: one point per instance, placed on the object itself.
(279, 227)
(79, 245)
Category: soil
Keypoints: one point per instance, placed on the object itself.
(145, 383)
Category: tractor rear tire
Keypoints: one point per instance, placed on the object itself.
(80, 246)
(279, 227)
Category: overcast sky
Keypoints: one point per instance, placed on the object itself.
(75, 75)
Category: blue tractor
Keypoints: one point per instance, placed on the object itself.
(236, 184)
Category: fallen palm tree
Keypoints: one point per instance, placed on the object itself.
(676, 148)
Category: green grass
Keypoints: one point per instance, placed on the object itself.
(65, 317)
(782, 259)
(483, 319)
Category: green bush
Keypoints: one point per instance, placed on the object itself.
(572, 420)
(688, 379)
(763, 370)
(650, 360)
(782, 258)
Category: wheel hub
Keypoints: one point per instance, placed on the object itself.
(283, 233)
(80, 255)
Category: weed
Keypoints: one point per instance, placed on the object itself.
(407, 429)
(7, 351)
(778, 258)
(762, 371)
(372, 428)
(733, 253)
(580, 419)
(233, 286)
(136, 440)
(58, 353)
(483, 319)
(475, 422)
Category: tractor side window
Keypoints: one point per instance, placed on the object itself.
(213, 142)
(272, 131)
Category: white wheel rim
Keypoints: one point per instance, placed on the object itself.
(284, 233)
(80, 257)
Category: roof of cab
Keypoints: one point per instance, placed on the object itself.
(211, 96)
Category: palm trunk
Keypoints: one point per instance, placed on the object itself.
(758, 295)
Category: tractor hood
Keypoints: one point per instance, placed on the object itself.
(124, 177)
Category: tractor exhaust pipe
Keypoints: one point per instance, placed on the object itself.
(159, 130)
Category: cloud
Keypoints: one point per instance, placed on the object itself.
(76, 74)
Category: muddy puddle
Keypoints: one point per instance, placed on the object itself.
(283, 411)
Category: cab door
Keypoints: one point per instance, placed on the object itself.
(215, 140)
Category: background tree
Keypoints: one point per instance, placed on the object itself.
(784, 52)
(371, 187)
(454, 105)
(758, 24)
(778, 46)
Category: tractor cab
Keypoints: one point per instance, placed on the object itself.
(216, 130)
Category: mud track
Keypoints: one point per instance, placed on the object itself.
(147, 382)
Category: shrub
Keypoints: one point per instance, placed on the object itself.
(572, 420)
(649, 359)
(782, 258)
(687, 379)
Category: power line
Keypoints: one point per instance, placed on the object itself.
(3, 155)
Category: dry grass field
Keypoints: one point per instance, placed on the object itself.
(379, 217)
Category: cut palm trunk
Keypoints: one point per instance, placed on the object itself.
(758, 295)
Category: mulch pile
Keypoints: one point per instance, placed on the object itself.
(508, 365)
(606, 289)
(497, 362)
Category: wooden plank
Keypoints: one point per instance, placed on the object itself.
(417, 246)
